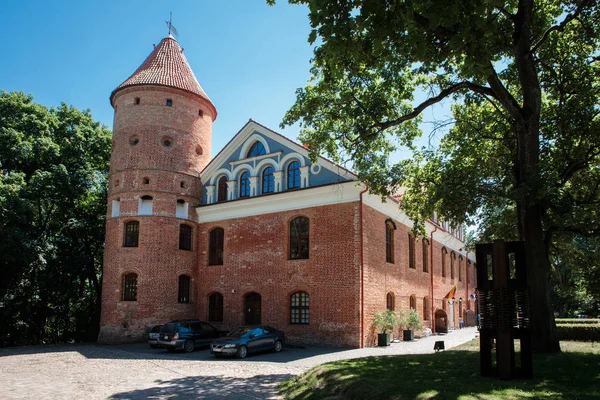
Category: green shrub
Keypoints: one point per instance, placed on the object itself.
(584, 321)
(578, 332)
(410, 319)
(385, 321)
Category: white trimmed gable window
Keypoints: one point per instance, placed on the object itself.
(145, 205)
(257, 149)
(181, 210)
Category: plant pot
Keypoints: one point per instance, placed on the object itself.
(383, 339)
(408, 335)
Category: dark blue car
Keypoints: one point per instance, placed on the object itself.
(248, 339)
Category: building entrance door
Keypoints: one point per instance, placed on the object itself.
(441, 321)
(252, 309)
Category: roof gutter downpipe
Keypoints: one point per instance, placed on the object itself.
(431, 268)
(362, 272)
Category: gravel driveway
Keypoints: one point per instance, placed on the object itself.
(137, 372)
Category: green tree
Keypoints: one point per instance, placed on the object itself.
(53, 171)
(524, 75)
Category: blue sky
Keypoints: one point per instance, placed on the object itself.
(248, 57)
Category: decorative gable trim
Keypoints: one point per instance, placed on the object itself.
(244, 138)
(249, 142)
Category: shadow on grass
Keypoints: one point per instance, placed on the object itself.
(209, 387)
(447, 375)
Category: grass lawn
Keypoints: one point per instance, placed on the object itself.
(454, 374)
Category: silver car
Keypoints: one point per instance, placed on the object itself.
(153, 336)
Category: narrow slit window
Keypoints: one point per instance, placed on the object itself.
(184, 289)
(215, 246)
(130, 287)
(299, 238)
(185, 237)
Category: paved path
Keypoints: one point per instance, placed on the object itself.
(138, 372)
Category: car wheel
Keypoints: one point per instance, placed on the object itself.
(188, 346)
(242, 352)
(278, 346)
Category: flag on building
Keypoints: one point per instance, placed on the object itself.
(450, 294)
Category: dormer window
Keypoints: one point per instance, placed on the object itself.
(257, 149)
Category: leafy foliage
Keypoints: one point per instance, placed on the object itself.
(410, 319)
(525, 143)
(385, 320)
(53, 171)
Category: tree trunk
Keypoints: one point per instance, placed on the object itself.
(529, 182)
(543, 327)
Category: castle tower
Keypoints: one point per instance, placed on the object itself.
(161, 141)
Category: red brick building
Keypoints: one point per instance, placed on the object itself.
(259, 233)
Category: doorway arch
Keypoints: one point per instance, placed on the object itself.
(441, 321)
(252, 309)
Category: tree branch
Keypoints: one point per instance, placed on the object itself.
(503, 95)
(560, 27)
(436, 99)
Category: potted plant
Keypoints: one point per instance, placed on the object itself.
(409, 321)
(385, 321)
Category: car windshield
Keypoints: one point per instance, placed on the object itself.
(239, 332)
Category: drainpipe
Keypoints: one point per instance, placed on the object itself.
(467, 278)
(362, 272)
(431, 268)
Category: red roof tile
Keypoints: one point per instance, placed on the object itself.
(167, 66)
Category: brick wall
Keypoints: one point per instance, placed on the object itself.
(171, 173)
(382, 277)
(256, 260)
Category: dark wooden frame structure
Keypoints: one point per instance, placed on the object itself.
(504, 309)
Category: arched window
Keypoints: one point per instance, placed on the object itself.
(245, 184)
(184, 289)
(293, 175)
(299, 238)
(215, 307)
(132, 232)
(413, 302)
(268, 180)
(389, 241)
(460, 262)
(452, 259)
(130, 287)
(257, 149)
(425, 255)
(215, 247)
(389, 300)
(425, 309)
(185, 237)
(222, 189)
(444, 252)
(412, 262)
(299, 308)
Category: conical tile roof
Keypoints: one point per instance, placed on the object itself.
(166, 66)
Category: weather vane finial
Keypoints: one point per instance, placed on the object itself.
(172, 29)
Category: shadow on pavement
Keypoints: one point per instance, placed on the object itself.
(210, 387)
(141, 351)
